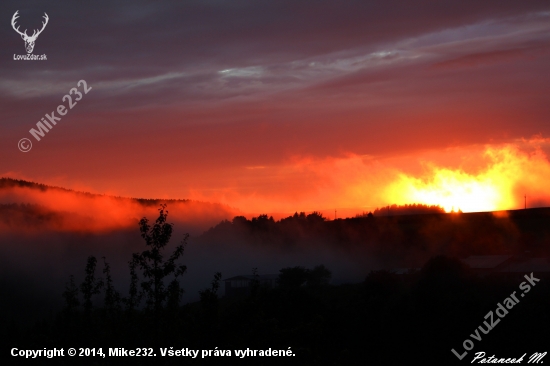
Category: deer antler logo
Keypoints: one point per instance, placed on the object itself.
(29, 41)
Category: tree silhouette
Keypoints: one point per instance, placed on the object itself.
(319, 276)
(209, 297)
(71, 296)
(315, 217)
(155, 268)
(91, 285)
(134, 295)
(112, 297)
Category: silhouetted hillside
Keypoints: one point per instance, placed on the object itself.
(6, 183)
(27, 205)
(411, 209)
(401, 239)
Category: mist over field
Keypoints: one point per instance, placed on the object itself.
(49, 238)
(46, 235)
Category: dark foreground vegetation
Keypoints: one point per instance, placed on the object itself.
(388, 319)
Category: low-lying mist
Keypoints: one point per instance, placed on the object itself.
(35, 265)
(49, 238)
(62, 210)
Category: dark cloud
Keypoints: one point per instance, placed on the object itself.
(145, 38)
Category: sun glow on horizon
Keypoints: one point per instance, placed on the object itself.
(500, 186)
(456, 190)
(467, 178)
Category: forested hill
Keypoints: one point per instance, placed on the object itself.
(7, 183)
(27, 205)
(417, 236)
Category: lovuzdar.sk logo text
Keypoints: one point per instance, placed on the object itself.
(29, 40)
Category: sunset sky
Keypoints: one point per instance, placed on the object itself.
(283, 106)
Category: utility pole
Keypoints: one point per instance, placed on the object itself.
(525, 202)
(334, 214)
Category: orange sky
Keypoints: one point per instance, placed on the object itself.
(277, 108)
(472, 178)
